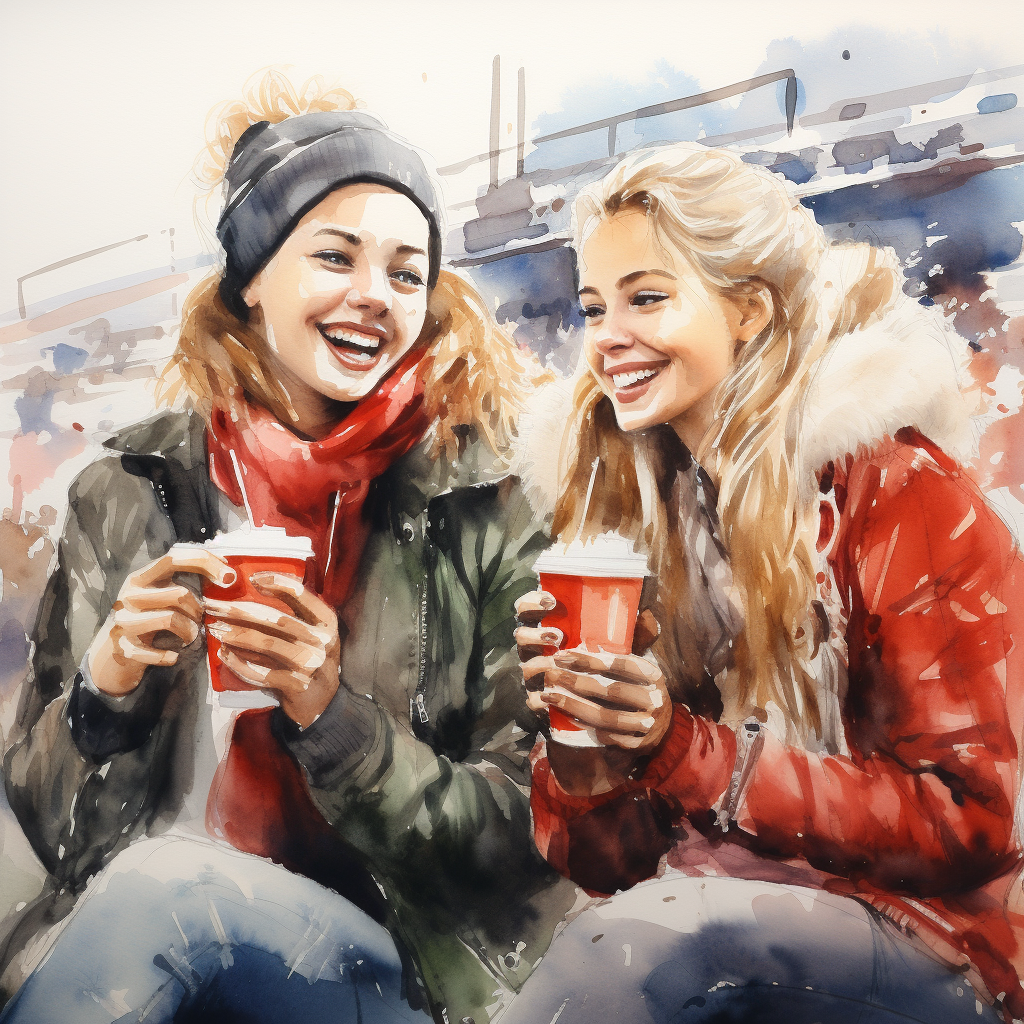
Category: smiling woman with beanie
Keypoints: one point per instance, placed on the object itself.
(363, 822)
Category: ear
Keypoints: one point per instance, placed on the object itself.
(755, 308)
(251, 293)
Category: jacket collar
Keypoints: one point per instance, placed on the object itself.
(909, 369)
(171, 434)
(179, 436)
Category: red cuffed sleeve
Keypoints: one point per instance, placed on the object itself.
(613, 840)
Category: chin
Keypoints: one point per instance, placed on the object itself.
(355, 391)
(631, 420)
(341, 387)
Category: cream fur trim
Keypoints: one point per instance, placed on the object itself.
(908, 370)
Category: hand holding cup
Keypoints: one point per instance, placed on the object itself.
(621, 700)
(153, 619)
(590, 593)
(623, 697)
(289, 646)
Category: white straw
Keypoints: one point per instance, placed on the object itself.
(330, 536)
(590, 494)
(241, 487)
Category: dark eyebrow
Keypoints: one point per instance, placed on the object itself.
(630, 278)
(402, 250)
(347, 235)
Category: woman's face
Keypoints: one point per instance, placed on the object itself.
(657, 339)
(344, 298)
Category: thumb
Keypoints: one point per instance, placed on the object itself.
(646, 632)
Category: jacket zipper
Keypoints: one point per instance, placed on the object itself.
(418, 704)
(749, 741)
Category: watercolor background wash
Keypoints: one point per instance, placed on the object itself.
(901, 126)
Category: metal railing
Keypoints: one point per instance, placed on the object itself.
(654, 110)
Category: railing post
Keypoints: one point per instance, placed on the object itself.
(521, 124)
(790, 102)
(495, 119)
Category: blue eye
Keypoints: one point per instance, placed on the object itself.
(408, 277)
(647, 298)
(333, 257)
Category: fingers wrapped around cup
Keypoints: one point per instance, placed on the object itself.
(153, 619)
(532, 638)
(293, 651)
(621, 698)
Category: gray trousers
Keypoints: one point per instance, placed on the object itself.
(683, 950)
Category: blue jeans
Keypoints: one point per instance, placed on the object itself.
(720, 950)
(187, 931)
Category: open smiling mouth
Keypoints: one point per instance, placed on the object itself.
(633, 384)
(355, 351)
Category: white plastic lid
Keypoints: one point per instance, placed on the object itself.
(608, 555)
(266, 541)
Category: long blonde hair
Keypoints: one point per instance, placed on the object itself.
(741, 229)
(474, 373)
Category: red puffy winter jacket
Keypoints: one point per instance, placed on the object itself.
(918, 818)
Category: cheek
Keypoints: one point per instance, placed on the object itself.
(285, 299)
(319, 290)
(409, 313)
(590, 353)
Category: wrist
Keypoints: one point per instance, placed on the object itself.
(590, 771)
(106, 673)
(338, 740)
(306, 706)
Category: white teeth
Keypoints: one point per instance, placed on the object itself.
(624, 380)
(361, 341)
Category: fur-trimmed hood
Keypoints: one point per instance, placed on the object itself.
(908, 369)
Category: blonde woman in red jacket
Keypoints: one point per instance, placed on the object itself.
(817, 764)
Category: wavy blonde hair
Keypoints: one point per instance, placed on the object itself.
(742, 231)
(474, 373)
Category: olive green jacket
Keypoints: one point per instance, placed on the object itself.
(419, 763)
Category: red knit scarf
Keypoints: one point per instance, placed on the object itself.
(258, 801)
(317, 489)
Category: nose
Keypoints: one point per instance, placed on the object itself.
(610, 336)
(370, 291)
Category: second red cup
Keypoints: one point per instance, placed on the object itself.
(597, 587)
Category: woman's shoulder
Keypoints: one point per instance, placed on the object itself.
(133, 456)
(435, 473)
(544, 429)
(908, 482)
(176, 433)
(470, 490)
(898, 460)
(907, 369)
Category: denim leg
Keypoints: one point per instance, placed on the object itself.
(181, 930)
(722, 950)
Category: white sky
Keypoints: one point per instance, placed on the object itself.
(106, 101)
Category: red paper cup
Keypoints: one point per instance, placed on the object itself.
(597, 587)
(249, 551)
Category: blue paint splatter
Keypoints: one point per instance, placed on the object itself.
(994, 104)
(35, 412)
(67, 358)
